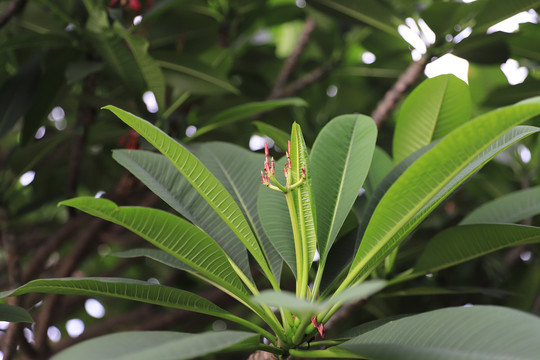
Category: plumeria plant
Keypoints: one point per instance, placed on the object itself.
(240, 236)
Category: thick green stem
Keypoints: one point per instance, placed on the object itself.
(297, 242)
(318, 279)
(300, 332)
(252, 326)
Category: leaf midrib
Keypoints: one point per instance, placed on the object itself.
(342, 184)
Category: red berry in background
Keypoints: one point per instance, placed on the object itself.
(130, 141)
(133, 5)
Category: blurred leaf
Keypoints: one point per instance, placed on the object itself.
(114, 52)
(512, 93)
(16, 95)
(451, 334)
(495, 11)
(279, 136)
(241, 112)
(520, 43)
(434, 108)
(50, 85)
(148, 67)
(12, 313)
(433, 290)
(443, 16)
(35, 40)
(370, 12)
(484, 48)
(196, 70)
(509, 208)
(302, 307)
(163, 345)
(76, 71)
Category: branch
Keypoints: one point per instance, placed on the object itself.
(291, 61)
(306, 80)
(86, 115)
(14, 332)
(14, 7)
(403, 83)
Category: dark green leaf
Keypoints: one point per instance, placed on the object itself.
(12, 313)
(162, 345)
(510, 208)
(478, 332)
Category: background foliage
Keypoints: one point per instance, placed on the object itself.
(211, 66)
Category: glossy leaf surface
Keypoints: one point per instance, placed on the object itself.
(164, 179)
(434, 108)
(340, 160)
(509, 208)
(13, 313)
(170, 233)
(122, 288)
(462, 243)
(163, 345)
(201, 179)
(460, 333)
(434, 176)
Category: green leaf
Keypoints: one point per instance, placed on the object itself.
(16, 95)
(340, 160)
(196, 71)
(239, 170)
(172, 234)
(202, 180)
(302, 307)
(78, 70)
(381, 165)
(369, 12)
(244, 111)
(460, 333)
(148, 67)
(279, 136)
(123, 289)
(12, 313)
(463, 243)
(509, 208)
(433, 290)
(338, 264)
(164, 179)
(495, 11)
(434, 176)
(435, 108)
(485, 48)
(114, 52)
(50, 84)
(163, 345)
(157, 255)
(275, 220)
